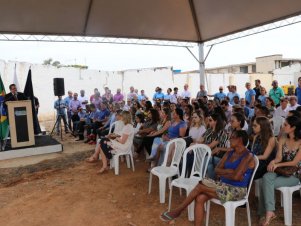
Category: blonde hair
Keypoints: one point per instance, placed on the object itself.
(126, 117)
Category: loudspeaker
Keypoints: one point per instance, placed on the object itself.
(58, 86)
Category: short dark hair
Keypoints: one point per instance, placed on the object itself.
(11, 85)
(243, 135)
(225, 102)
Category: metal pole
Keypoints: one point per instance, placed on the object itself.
(201, 63)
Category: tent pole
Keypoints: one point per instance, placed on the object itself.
(201, 63)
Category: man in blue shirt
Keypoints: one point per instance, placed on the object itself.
(250, 95)
(298, 91)
(142, 96)
(219, 96)
(158, 95)
(60, 106)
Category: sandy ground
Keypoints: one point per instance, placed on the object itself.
(74, 195)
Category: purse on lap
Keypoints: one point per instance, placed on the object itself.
(286, 171)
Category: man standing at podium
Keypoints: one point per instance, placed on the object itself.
(14, 95)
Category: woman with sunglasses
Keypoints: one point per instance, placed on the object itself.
(215, 137)
(235, 171)
(264, 144)
(288, 155)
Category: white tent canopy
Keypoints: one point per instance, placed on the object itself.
(179, 20)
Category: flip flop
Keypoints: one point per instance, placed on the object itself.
(103, 170)
(166, 217)
(91, 160)
(269, 220)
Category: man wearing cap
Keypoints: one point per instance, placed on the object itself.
(298, 91)
(257, 88)
(276, 93)
(283, 109)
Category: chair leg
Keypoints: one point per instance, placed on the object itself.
(150, 183)
(128, 164)
(248, 214)
(116, 164)
(207, 212)
(170, 196)
(191, 211)
(230, 215)
(132, 159)
(287, 207)
(162, 188)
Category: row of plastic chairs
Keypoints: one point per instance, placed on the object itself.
(202, 155)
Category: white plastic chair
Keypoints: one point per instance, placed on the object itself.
(200, 162)
(114, 162)
(286, 200)
(277, 123)
(231, 206)
(164, 171)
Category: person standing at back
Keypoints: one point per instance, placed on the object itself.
(250, 95)
(257, 88)
(83, 99)
(298, 91)
(276, 93)
(202, 93)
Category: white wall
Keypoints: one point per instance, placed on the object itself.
(77, 79)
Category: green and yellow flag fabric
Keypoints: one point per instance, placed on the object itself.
(4, 120)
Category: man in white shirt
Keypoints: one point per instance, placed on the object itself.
(174, 96)
(293, 103)
(283, 109)
(132, 95)
(83, 99)
(186, 94)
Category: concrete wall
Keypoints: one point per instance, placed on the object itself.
(266, 64)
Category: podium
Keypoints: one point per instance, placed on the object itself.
(20, 123)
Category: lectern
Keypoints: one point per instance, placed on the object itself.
(20, 123)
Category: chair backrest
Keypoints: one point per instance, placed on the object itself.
(201, 158)
(111, 127)
(177, 146)
(277, 123)
(253, 174)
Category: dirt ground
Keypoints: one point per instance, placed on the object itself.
(74, 195)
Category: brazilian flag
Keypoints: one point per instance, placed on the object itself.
(4, 121)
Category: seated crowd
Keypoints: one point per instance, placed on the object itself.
(234, 128)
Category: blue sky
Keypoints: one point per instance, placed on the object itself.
(113, 57)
